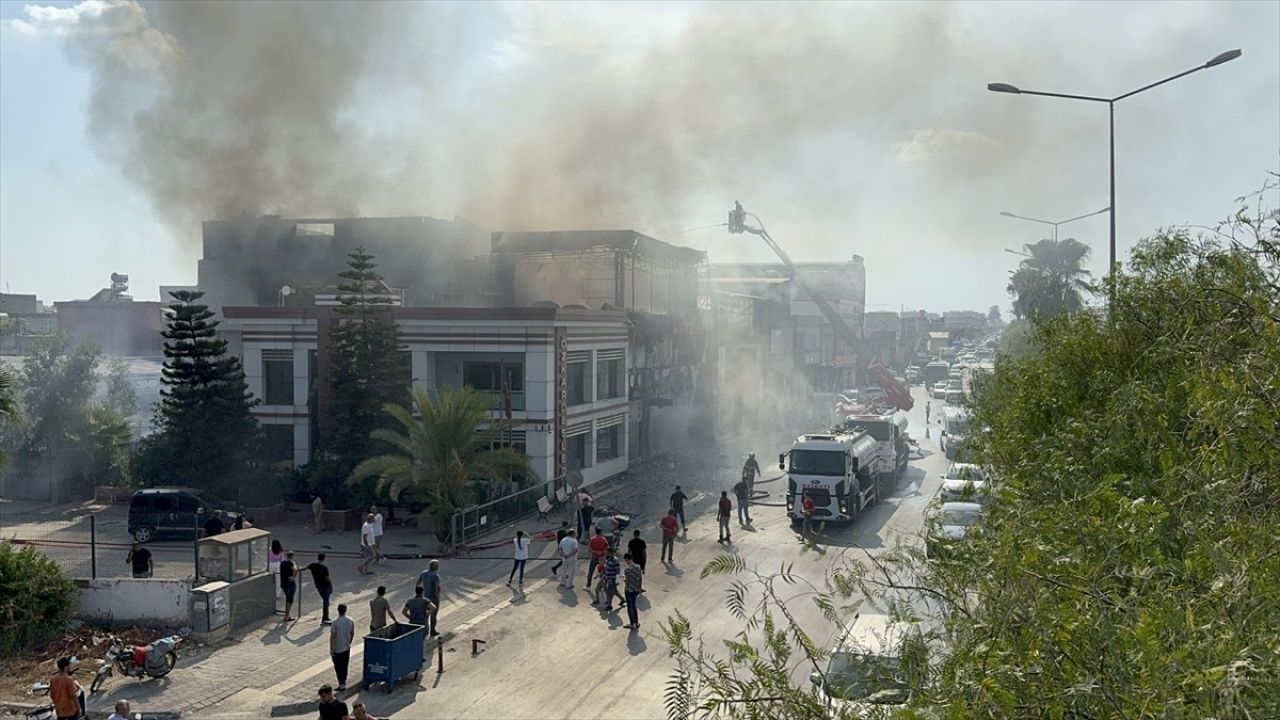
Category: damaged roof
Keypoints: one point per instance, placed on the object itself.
(572, 241)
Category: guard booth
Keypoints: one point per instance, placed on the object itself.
(234, 586)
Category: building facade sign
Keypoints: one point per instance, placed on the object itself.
(562, 406)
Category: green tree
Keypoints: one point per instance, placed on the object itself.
(118, 393)
(9, 415)
(1128, 563)
(205, 435)
(36, 598)
(1052, 280)
(58, 382)
(439, 455)
(367, 371)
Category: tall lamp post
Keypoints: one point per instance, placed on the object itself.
(1221, 58)
(1055, 224)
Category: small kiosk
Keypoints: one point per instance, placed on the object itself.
(234, 579)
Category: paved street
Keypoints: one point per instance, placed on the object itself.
(548, 653)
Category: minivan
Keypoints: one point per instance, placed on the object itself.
(176, 511)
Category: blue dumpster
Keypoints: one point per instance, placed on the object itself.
(392, 652)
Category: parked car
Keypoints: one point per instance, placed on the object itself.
(875, 665)
(964, 482)
(948, 526)
(939, 390)
(157, 512)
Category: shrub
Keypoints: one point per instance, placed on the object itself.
(36, 598)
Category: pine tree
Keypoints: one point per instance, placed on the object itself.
(367, 370)
(206, 436)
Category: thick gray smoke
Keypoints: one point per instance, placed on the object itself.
(536, 116)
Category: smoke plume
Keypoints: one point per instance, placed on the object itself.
(844, 119)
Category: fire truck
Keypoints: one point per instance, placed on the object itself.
(895, 393)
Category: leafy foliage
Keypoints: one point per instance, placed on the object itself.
(205, 435)
(367, 371)
(1052, 280)
(9, 415)
(36, 598)
(439, 455)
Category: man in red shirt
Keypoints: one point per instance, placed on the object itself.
(807, 507)
(598, 545)
(669, 526)
(726, 510)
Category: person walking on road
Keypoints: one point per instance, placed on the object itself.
(750, 471)
(379, 609)
(723, 514)
(367, 542)
(288, 583)
(586, 509)
(632, 577)
(521, 543)
(561, 532)
(598, 544)
(324, 585)
(926, 410)
(638, 550)
(378, 557)
(677, 505)
(669, 526)
(740, 492)
(569, 557)
(317, 512)
(140, 560)
(432, 589)
(331, 708)
(417, 609)
(612, 568)
(341, 634)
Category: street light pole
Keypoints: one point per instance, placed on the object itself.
(1218, 59)
(1052, 223)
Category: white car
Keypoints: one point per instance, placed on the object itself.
(939, 390)
(949, 526)
(866, 670)
(964, 481)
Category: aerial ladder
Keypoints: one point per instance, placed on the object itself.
(895, 392)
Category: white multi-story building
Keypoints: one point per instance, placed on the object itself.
(565, 370)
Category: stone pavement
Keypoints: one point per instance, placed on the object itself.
(280, 665)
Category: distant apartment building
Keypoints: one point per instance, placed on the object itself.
(114, 321)
(23, 319)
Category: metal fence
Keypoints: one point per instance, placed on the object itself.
(96, 545)
(470, 523)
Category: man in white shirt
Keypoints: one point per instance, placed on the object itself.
(341, 634)
(377, 535)
(569, 554)
(122, 711)
(367, 543)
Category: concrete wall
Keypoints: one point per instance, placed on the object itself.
(124, 601)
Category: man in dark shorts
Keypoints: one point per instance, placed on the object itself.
(288, 583)
(140, 558)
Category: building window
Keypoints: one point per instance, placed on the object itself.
(279, 443)
(577, 452)
(608, 379)
(488, 377)
(609, 443)
(578, 383)
(277, 377)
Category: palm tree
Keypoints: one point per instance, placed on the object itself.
(441, 453)
(8, 402)
(1052, 280)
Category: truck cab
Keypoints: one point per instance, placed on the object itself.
(836, 470)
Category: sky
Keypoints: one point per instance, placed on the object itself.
(858, 128)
